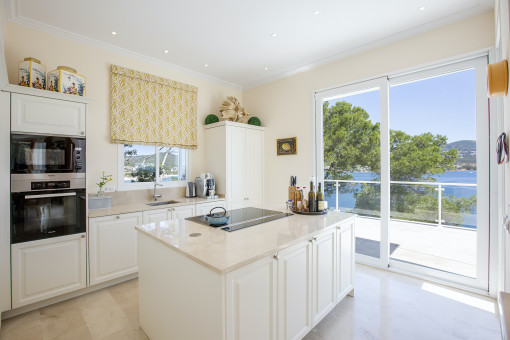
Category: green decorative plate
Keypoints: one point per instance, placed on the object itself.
(254, 121)
(211, 119)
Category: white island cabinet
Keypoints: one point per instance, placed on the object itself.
(275, 280)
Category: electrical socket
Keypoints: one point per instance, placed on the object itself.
(109, 188)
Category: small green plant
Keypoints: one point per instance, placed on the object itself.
(103, 180)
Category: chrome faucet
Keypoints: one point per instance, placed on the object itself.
(156, 196)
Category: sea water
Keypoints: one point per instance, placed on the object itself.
(347, 201)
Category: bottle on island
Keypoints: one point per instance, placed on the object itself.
(305, 201)
(312, 203)
(320, 199)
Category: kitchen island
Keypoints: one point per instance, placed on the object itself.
(273, 280)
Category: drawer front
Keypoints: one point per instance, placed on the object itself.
(205, 208)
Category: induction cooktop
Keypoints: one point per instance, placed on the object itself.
(243, 218)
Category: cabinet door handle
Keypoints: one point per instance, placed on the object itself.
(117, 217)
(276, 257)
(82, 236)
(82, 133)
(315, 238)
(310, 240)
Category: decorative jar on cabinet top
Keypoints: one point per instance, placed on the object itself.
(66, 80)
(31, 73)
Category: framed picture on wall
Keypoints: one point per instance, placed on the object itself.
(286, 146)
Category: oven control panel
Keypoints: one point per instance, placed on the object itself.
(50, 185)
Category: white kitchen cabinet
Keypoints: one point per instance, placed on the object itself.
(205, 208)
(39, 115)
(251, 301)
(47, 268)
(235, 157)
(172, 213)
(324, 263)
(156, 216)
(112, 246)
(182, 212)
(295, 291)
(345, 259)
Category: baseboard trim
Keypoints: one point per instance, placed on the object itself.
(25, 309)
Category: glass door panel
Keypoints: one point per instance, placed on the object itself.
(434, 183)
(351, 163)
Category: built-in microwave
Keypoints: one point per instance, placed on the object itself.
(34, 154)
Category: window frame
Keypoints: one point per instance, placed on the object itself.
(121, 186)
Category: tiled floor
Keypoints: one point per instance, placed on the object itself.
(110, 313)
(385, 306)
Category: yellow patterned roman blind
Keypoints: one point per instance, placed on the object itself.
(151, 110)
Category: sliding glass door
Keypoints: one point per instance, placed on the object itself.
(349, 138)
(410, 156)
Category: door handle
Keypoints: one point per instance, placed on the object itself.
(28, 197)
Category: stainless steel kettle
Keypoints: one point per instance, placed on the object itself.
(191, 190)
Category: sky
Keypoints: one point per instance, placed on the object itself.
(442, 105)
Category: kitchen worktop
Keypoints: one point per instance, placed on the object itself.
(142, 206)
(224, 251)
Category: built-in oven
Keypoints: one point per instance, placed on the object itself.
(34, 154)
(47, 205)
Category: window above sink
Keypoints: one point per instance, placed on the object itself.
(140, 165)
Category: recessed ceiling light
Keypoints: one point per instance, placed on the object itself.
(274, 35)
(166, 51)
(206, 65)
(422, 8)
(317, 12)
(114, 33)
(265, 68)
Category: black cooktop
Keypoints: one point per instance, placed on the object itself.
(243, 218)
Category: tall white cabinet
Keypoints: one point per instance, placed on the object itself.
(235, 157)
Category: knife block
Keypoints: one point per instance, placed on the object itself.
(292, 194)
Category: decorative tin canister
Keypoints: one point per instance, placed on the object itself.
(31, 73)
(66, 80)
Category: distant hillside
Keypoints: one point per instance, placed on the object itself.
(462, 146)
(467, 154)
(137, 160)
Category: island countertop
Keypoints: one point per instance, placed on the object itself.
(223, 251)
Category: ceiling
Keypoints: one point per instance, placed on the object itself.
(234, 37)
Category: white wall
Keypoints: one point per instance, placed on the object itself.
(285, 106)
(94, 63)
(504, 28)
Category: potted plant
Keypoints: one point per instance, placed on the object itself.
(102, 182)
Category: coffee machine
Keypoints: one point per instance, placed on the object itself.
(205, 185)
(211, 187)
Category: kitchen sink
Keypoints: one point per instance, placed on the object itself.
(155, 204)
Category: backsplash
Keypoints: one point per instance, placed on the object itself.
(145, 195)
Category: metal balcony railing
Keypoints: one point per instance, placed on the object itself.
(439, 188)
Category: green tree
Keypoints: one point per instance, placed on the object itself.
(352, 144)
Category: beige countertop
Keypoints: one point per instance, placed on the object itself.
(224, 251)
(142, 206)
